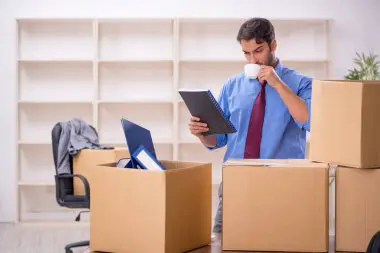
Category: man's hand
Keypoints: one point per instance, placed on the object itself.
(196, 127)
(267, 73)
(296, 106)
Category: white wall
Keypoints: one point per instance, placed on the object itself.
(354, 28)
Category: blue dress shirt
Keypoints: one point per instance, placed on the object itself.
(282, 136)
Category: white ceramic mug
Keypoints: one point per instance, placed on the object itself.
(252, 70)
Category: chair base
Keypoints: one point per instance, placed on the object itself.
(68, 247)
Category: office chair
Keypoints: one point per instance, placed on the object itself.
(64, 186)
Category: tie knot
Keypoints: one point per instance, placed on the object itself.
(262, 84)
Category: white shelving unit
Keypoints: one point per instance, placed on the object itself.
(102, 70)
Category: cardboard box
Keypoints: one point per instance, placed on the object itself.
(275, 205)
(151, 211)
(357, 208)
(85, 161)
(345, 123)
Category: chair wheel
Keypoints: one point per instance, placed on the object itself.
(69, 251)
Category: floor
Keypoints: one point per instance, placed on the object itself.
(41, 238)
(52, 238)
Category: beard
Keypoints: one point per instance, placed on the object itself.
(271, 59)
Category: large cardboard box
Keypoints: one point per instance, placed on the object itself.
(345, 123)
(357, 208)
(145, 211)
(275, 205)
(87, 159)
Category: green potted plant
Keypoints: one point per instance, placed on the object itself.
(366, 68)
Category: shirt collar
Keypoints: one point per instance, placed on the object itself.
(278, 68)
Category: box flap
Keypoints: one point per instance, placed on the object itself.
(274, 163)
(170, 165)
(348, 81)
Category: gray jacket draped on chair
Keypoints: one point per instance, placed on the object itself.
(76, 135)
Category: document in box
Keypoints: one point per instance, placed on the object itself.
(202, 104)
(146, 160)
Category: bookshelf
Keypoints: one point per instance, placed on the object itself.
(103, 69)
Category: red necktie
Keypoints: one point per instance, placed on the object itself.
(253, 140)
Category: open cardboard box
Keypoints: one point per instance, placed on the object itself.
(135, 210)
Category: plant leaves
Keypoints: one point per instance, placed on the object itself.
(365, 67)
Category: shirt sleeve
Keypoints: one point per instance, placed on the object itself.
(221, 139)
(304, 92)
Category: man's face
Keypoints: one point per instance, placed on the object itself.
(258, 53)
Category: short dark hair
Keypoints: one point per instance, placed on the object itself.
(260, 29)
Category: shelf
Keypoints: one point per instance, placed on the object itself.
(36, 163)
(56, 40)
(211, 74)
(243, 61)
(203, 75)
(36, 183)
(56, 81)
(163, 147)
(136, 60)
(37, 120)
(40, 204)
(164, 151)
(184, 118)
(203, 40)
(240, 20)
(136, 101)
(314, 39)
(124, 143)
(192, 141)
(318, 70)
(158, 118)
(154, 81)
(102, 70)
(52, 60)
(135, 40)
(40, 142)
(47, 102)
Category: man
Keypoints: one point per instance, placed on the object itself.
(271, 113)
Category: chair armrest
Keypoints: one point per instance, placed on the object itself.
(82, 178)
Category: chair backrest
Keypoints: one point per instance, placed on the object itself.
(55, 135)
(65, 185)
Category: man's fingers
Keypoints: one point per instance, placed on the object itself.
(195, 118)
(199, 131)
(199, 124)
(262, 77)
(202, 129)
(265, 67)
(199, 128)
(196, 127)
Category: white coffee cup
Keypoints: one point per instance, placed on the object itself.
(252, 70)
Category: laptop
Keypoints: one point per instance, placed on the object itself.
(136, 136)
